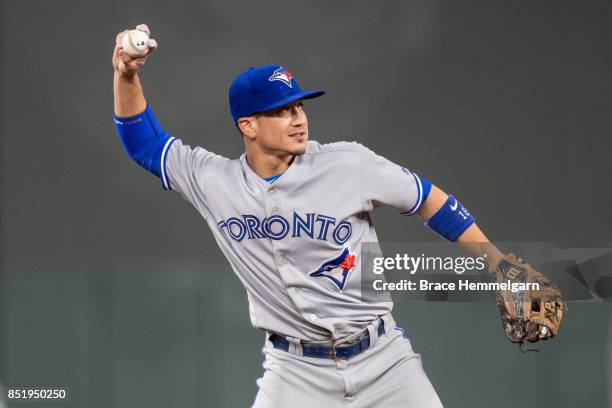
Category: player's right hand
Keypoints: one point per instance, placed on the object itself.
(125, 65)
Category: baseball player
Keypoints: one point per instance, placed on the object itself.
(290, 216)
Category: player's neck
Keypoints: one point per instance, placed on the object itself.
(268, 165)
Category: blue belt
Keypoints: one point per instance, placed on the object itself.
(342, 351)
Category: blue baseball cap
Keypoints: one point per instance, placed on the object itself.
(259, 89)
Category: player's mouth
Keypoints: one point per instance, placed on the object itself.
(298, 135)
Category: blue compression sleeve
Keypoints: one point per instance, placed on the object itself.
(144, 140)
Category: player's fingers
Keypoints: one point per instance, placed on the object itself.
(533, 332)
(118, 47)
(143, 28)
(119, 38)
(125, 68)
(140, 62)
(152, 44)
(124, 56)
(135, 65)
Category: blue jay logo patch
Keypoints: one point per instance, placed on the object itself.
(282, 75)
(337, 269)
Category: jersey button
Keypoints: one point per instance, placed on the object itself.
(313, 317)
(271, 191)
(274, 209)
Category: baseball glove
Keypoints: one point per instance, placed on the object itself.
(530, 314)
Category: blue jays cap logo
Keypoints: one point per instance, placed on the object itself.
(282, 75)
(337, 269)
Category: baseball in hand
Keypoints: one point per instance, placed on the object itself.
(135, 43)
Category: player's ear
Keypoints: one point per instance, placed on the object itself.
(247, 127)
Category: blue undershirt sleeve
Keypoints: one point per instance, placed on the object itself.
(426, 188)
(144, 140)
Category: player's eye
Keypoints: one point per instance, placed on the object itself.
(299, 105)
(285, 110)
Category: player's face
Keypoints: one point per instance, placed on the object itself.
(283, 130)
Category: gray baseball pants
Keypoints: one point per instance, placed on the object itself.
(389, 374)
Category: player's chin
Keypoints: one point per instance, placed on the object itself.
(298, 143)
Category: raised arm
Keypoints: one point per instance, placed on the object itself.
(127, 89)
(144, 140)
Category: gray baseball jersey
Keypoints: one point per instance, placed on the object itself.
(295, 243)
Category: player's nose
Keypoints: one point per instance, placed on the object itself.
(298, 116)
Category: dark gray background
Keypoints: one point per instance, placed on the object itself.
(116, 289)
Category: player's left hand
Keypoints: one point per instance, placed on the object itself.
(125, 65)
(528, 315)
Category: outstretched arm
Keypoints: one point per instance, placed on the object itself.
(472, 238)
(529, 315)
